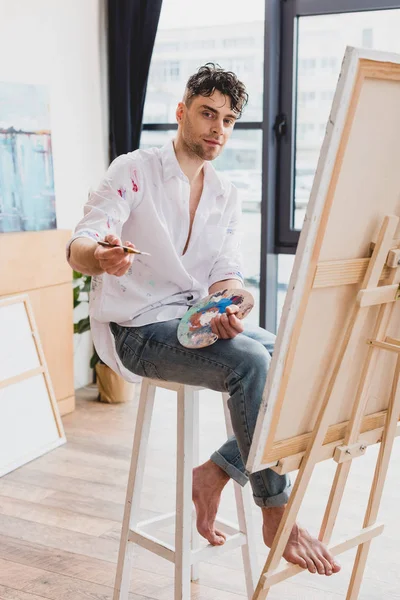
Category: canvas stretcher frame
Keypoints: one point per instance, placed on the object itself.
(31, 424)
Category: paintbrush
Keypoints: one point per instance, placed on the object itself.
(124, 248)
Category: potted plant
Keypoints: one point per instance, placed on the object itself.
(112, 388)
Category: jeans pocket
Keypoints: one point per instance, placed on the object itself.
(150, 370)
(130, 348)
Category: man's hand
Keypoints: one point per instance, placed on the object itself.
(227, 325)
(114, 261)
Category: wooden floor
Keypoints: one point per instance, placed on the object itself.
(60, 515)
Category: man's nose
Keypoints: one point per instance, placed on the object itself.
(218, 127)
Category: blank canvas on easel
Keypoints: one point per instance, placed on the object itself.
(357, 184)
(30, 423)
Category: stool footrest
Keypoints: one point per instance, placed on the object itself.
(234, 541)
(167, 551)
(228, 527)
(165, 519)
(153, 544)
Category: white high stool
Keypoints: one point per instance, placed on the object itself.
(186, 554)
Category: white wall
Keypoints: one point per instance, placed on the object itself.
(63, 44)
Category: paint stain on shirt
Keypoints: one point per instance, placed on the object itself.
(122, 192)
(134, 180)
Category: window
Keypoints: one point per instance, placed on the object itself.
(367, 38)
(164, 70)
(314, 38)
(238, 42)
(195, 42)
(326, 96)
(313, 44)
(273, 152)
(307, 65)
(329, 63)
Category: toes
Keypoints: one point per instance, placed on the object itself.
(216, 540)
(327, 565)
(318, 564)
(213, 537)
(310, 565)
(295, 559)
(298, 560)
(335, 566)
(221, 534)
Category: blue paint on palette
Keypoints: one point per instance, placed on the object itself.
(27, 198)
(194, 329)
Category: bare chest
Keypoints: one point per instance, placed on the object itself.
(194, 199)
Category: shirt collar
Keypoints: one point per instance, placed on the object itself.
(171, 168)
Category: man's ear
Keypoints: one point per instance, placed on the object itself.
(180, 109)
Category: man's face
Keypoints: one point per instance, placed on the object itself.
(206, 124)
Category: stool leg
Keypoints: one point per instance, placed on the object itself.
(131, 511)
(243, 507)
(184, 466)
(196, 458)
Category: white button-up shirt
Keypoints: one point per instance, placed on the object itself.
(144, 198)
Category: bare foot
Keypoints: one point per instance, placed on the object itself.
(302, 549)
(208, 482)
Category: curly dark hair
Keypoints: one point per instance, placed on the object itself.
(211, 77)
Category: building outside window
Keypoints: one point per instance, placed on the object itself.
(234, 40)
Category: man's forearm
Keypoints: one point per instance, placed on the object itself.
(82, 257)
(226, 284)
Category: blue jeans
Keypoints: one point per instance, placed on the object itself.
(238, 366)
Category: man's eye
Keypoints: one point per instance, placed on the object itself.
(207, 114)
(229, 121)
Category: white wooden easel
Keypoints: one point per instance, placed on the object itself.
(386, 255)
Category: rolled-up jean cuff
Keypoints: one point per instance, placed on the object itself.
(278, 500)
(231, 470)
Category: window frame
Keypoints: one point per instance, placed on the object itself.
(291, 10)
(268, 258)
(278, 127)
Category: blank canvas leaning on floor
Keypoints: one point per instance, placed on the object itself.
(357, 184)
(30, 423)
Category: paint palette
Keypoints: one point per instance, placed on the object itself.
(194, 330)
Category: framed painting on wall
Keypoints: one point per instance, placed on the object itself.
(27, 198)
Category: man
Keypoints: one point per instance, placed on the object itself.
(172, 204)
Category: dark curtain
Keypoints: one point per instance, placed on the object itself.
(132, 27)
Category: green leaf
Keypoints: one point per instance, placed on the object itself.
(82, 326)
(77, 275)
(76, 293)
(87, 283)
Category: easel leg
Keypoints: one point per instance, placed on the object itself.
(343, 470)
(355, 324)
(382, 465)
(353, 331)
(243, 505)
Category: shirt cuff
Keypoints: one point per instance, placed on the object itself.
(222, 275)
(86, 233)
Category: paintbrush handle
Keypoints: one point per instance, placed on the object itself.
(124, 248)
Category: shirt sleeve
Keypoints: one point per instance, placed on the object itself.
(108, 206)
(228, 264)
